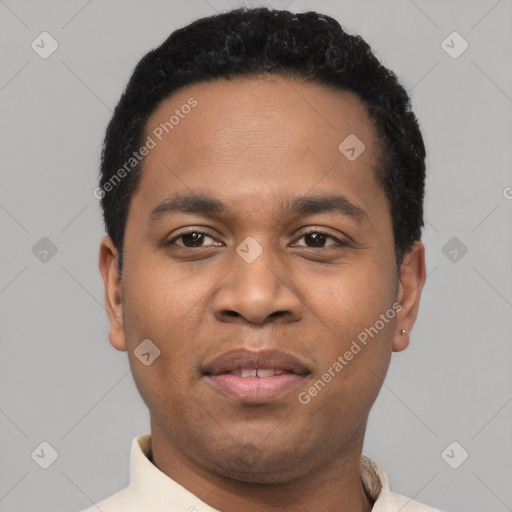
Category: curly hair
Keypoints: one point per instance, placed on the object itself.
(248, 42)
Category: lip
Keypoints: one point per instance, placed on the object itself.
(255, 389)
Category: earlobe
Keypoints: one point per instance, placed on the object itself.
(401, 340)
(412, 279)
(113, 292)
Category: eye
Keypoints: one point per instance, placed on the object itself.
(195, 238)
(318, 238)
(190, 239)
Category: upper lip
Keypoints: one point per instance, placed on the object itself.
(246, 359)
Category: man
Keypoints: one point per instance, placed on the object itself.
(262, 186)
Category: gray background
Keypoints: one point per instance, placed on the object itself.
(61, 381)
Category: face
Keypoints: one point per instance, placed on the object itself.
(261, 270)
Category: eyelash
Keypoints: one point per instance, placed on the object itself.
(339, 243)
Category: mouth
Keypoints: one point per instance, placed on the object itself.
(255, 377)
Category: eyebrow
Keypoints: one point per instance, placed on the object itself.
(211, 206)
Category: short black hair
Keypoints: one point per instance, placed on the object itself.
(248, 42)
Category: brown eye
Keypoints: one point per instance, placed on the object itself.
(191, 239)
(317, 239)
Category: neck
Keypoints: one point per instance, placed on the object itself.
(334, 485)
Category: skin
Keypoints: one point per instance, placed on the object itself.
(254, 143)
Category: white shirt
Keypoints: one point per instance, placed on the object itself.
(151, 490)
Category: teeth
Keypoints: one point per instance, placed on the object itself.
(266, 373)
(260, 372)
(246, 372)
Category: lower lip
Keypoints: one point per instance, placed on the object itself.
(255, 389)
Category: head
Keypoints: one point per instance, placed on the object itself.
(280, 136)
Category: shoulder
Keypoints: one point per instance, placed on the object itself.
(405, 504)
(117, 502)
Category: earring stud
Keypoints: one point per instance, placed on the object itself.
(403, 331)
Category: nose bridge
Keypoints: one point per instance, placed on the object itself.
(257, 286)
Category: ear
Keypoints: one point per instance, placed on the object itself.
(113, 292)
(412, 279)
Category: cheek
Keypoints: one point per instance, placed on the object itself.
(356, 319)
(353, 366)
(160, 299)
(353, 297)
(161, 310)
(167, 306)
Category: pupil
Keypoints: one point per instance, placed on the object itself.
(195, 236)
(317, 236)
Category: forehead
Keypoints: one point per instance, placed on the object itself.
(250, 112)
(252, 139)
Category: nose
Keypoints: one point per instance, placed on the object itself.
(257, 292)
